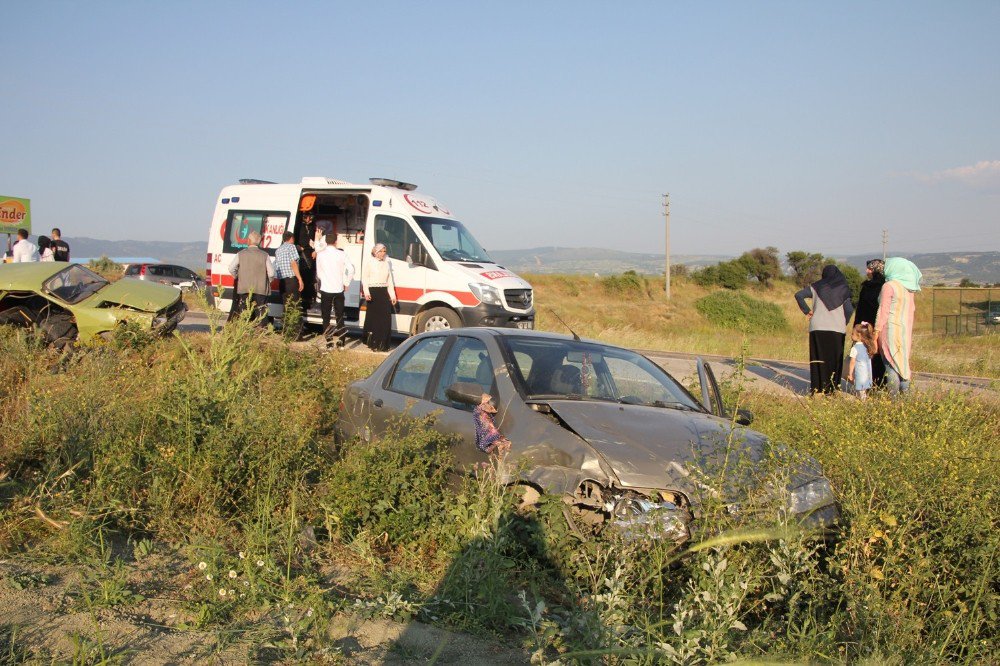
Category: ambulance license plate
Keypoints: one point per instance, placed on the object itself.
(525, 324)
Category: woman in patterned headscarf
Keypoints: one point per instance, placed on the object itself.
(868, 310)
(828, 317)
(894, 323)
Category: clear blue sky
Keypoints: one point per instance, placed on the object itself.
(797, 124)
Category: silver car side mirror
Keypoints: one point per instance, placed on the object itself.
(465, 392)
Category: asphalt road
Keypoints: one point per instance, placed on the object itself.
(780, 377)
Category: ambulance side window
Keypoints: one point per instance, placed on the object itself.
(269, 224)
(396, 233)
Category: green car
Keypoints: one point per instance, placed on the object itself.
(69, 302)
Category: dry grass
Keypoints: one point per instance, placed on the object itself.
(652, 322)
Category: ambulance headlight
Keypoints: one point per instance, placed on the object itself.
(485, 293)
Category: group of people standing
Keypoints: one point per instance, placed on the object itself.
(253, 270)
(47, 249)
(882, 334)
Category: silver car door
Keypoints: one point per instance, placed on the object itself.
(468, 361)
(402, 393)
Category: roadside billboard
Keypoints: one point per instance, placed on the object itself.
(15, 213)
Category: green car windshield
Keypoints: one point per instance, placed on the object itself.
(566, 369)
(74, 284)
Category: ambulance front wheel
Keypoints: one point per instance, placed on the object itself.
(437, 319)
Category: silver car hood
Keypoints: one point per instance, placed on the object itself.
(657, 447)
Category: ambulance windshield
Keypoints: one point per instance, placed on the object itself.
(452, 240)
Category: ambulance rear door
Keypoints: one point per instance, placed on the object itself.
(264, 208)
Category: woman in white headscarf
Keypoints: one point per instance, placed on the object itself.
(379, 290)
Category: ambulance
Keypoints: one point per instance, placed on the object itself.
(444, 278)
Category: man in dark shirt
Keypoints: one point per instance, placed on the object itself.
(253, 271)
(60, 248)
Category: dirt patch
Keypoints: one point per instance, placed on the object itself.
(48, 616)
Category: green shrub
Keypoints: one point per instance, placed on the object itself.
(738, 310)
(729, 274)
(167, 439)
(629, 285)
(106, 267)
(395, 485)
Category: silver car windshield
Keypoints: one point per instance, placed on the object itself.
(451, 239)
(74, 284)
(566, 369)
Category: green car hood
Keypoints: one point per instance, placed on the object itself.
(138, 294)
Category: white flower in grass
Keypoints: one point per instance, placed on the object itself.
(232, 593)
(222, 593)
(309, 613)
(202, 566)
(260, 563)
(232, 574)
(208, 576)
(243, 555)
(246, 583)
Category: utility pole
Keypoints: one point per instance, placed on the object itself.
(666, 215)
(885, 241)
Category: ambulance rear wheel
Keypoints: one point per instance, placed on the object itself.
(437, 319)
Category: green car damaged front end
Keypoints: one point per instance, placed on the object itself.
(152, 306)
(71, 303)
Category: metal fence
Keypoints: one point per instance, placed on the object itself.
(965, 310)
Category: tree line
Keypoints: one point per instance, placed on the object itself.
(763, 266)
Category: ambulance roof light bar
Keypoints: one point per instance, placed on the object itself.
(388, 182)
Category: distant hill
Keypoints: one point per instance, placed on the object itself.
(591, 260)
(191, 255)
(938, 267)
(948, 267)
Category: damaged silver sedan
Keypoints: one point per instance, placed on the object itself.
(623, 442)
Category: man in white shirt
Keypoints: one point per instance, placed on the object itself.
(335, 272)
(24, 250)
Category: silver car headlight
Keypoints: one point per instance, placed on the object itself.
(485, 293)
(811, 496)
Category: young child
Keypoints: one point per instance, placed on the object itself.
(488, 437)
(860, 369)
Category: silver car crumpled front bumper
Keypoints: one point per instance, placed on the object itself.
(637, 518)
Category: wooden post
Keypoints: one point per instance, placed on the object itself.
(666, 215)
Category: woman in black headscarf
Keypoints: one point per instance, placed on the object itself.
(828, 317)
(868, 311)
